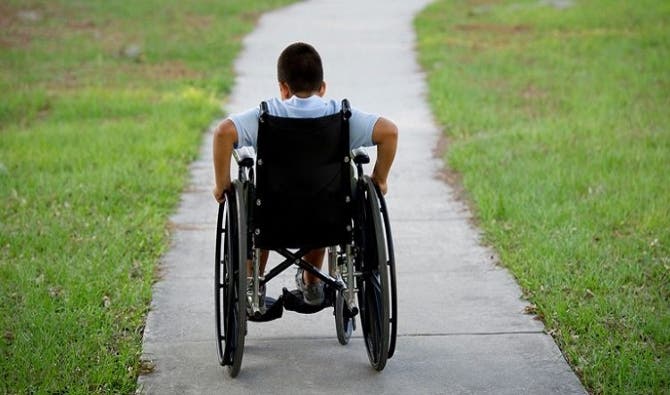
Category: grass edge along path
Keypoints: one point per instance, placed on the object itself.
(556, 116)
(103, 107)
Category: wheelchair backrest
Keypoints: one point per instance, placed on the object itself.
(303, 184)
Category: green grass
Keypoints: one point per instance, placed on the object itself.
(94, 148)
(558, 123)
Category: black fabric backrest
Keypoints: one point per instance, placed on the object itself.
(303, 182)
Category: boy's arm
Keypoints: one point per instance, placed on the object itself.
(385, 136)
(225, 136)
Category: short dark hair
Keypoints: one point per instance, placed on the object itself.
(299, 66)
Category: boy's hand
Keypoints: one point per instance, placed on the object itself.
(219, 194)
(383, 187)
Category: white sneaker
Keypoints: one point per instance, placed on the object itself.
(312, 294)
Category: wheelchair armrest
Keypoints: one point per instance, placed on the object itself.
(360, 156)
(244, 156)
(346, 109)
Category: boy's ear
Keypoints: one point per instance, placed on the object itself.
(322, 89)
(284, 91)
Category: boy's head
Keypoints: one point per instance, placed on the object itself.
(299, 71)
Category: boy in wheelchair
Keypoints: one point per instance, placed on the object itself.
(302, 89)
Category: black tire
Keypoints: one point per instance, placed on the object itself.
(230, 280)
(344, 325)
(373, 284)
(392, 273)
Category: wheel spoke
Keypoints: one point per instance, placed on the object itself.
(376, 284)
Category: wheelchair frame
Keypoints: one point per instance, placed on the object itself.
(361, 270)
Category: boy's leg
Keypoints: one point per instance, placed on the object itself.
(261, 269)
(264, 260)
(315, 257)
(250, 274)
(310, 286)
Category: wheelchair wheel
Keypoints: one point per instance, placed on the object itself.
(344, 325)
(392, 274)
(230, 281)
(373, 284)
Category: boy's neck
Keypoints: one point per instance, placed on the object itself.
(305, 95)
(285, 91)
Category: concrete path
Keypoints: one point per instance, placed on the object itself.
(461, 323)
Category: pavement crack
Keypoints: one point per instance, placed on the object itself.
(471, 334)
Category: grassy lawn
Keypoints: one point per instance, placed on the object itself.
(102, 107)
(558, 123)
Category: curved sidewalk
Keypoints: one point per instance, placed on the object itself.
(461, 323)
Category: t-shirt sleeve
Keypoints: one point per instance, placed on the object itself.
(246, 124)
(360, 128)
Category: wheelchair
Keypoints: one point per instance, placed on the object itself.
(305, 190)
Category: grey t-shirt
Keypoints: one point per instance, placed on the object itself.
(360, 123)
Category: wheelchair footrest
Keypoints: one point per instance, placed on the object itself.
(294, 301)
(274, 308)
